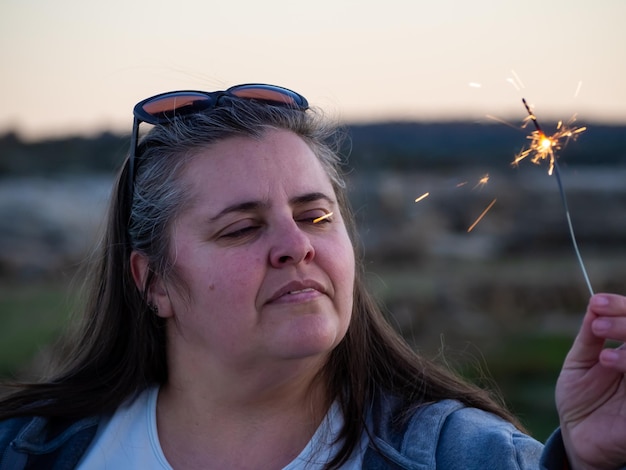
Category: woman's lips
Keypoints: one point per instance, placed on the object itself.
(297, 291)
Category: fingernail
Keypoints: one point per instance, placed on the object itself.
(601, 325)
(609, 355)
(600, 301)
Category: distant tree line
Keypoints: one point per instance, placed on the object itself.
(410, 145)
(401, 146)
(77, 154)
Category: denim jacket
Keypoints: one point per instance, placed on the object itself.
(444, 435)
(447, 435)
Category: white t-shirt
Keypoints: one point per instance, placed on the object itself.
(129, 440)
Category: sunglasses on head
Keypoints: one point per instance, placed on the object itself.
(166, 107)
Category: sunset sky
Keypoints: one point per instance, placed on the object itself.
(78, 66)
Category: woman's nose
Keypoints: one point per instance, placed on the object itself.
(291, 245)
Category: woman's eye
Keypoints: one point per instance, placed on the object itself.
(316, 217)
(239, 231)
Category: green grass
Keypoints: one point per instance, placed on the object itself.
(31, 318)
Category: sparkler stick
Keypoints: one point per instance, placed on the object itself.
(544, 147)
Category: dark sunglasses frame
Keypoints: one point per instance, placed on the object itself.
(166, 107)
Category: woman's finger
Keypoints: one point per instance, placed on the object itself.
(614, 358)
(608, 304)
(609, 327)
(587, 345)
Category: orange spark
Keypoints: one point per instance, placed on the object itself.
(325, 216)
(481, 216)
(483, 181)
(423, 196)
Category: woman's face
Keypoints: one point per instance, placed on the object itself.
(265, 282)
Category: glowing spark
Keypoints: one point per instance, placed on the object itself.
(475, 85)
(543, 147)
(323, 217)
(580, 84)
(481, 216)
(483, 181)
(515, 81)
(423, 196)
(460, 185)
(501, 121)
(512, 82)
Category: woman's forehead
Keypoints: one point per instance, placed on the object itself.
(255, 168)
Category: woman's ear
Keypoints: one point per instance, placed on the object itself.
(156, 293)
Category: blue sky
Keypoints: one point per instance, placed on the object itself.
(73, 66)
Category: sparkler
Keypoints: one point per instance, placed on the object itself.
(544, 147)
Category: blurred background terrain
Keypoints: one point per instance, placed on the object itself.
(500, 303)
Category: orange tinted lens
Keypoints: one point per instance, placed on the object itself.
(169, 104)
(264, 94)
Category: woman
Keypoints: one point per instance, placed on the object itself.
(228, 325)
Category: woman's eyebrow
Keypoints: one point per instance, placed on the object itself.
(248, 206)
(252, 206)
(310, 197)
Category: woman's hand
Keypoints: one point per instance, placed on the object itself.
(591, 390)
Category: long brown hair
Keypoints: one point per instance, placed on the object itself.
(119, 348)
